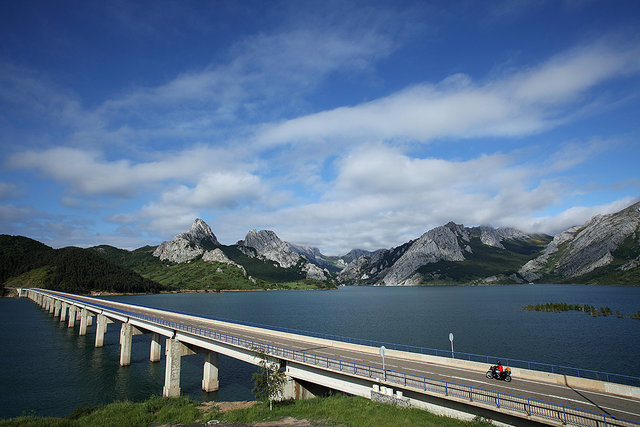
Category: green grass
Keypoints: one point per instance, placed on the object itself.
(343, 411)
(338, 410)
(154, 410)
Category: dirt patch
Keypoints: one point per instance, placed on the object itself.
(230, 406)
(225, 407)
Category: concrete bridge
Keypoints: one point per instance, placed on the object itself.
(313, 366)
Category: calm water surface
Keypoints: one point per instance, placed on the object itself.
(50, 370)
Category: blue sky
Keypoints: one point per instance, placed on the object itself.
(338, 125)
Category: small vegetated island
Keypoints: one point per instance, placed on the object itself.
(557, 307)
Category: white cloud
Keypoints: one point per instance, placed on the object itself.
(88, 172)
(381, 197)
(217, 190)
(569, 75)
(513, 105)
(10, 213)
(577, 215)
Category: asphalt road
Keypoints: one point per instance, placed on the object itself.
(623, 407)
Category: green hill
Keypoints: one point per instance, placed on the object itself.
(26, 262)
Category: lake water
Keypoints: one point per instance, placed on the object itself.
(49, 370)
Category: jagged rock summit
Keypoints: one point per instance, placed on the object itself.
(582, 249)
(269, 246)
(187, 246)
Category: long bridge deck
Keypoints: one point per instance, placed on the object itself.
(418, 380)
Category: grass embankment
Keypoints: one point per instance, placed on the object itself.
(335, 410)
(557, 307)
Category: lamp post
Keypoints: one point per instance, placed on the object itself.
(451, 339)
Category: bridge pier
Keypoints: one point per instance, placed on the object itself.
(83, 322)
(127, 331)
(298, 390)
(72, 316)
(174, 352)
(51, 306)
(156, 348)
(210, 375)
(101, 328)
(56, 308)
(63, 312)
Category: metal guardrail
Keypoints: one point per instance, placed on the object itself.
(507, 361)
(567, 415)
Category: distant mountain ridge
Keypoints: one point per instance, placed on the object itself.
(434, 257)
(605, 250)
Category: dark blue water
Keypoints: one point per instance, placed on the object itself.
(50, 370)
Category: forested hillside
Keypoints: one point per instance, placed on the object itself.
(26, 262)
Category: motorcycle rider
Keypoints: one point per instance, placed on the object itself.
(499, 368)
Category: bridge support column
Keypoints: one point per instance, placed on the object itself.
(298, 389)
(72, 316)
(83, 322)
(56, 309)
(125, 344)
(101, 328)
(210, 374)
(156, 348)
(174, 351)
(51, 305)
(127, 331)
(63, 312)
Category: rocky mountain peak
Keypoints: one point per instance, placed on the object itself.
(438, 244)
(268, 245)
(189, 245)
(494, 236)
(200, 232)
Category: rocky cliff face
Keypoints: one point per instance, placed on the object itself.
(269, 246)
(581, 250)
(187, 246)
(439, 244)
(217, 255)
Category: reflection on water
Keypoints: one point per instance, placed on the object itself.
(49, 369)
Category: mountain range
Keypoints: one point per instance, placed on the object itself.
(605, 250)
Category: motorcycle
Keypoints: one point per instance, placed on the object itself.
(504, 375)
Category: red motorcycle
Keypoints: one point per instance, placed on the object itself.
(505, 375)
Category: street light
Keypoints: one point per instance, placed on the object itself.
(451, 339)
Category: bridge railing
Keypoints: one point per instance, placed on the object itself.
(566, 414)
(507, 361)
(532, 407)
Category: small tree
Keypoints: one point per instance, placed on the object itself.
(268, 383)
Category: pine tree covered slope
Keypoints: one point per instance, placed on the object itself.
(24, 261)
